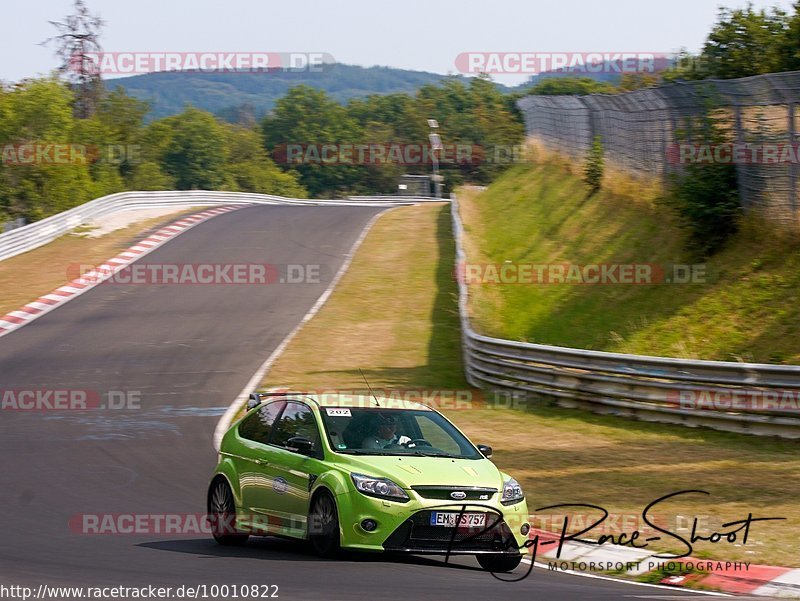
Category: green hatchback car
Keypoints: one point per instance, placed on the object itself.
(371, 474)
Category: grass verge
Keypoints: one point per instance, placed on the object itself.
(746, 309)
(394, 315)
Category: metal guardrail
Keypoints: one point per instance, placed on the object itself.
(36, 234)
(752, 398)
(414, 199)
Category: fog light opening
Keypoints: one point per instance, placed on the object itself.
(525, 529)
(369, 525)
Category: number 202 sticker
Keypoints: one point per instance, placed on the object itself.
(337, 411)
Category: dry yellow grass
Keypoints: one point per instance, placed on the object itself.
(394, 315)
(380, 317)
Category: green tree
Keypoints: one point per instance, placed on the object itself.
(305, 118)
(575, 86)
(148, 175)
(744, 42)
(636, 81)
(197, 152)
(789, 45)
(252, 170)
(38, 113)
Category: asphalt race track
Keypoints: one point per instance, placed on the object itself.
(189, 350)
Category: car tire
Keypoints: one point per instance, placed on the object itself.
(222, 513)
(499, 562)
(323, 525)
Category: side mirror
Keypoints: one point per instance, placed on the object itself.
(301, 445)
(486, 450)
(253, 401)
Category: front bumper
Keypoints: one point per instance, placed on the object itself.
(405, 527)
(416, 535)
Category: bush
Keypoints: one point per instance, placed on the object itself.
(593, 171)
(707, 201)
(706, 195)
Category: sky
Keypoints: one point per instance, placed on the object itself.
(425, 35)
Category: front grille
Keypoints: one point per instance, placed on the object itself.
(417, 534)
(473, 493)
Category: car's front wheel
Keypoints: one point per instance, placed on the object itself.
(323, 525)
(499, 562)
(222, 515)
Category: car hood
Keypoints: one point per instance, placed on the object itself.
(419, 471)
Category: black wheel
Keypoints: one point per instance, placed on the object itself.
(222, 514)
(499, 563)
(323, 526)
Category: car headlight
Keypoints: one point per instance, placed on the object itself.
(512, 492)
(383, 488)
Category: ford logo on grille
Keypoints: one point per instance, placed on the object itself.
(458, 494)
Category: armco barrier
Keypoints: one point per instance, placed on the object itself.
(679, 391)
(36, 234)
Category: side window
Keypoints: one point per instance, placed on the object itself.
(297, 420)
(258, 426)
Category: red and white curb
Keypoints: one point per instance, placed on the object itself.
(44, 304)
(756, 580)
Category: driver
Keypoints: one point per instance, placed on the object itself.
(384, 434)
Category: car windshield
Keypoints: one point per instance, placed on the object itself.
(374, 431)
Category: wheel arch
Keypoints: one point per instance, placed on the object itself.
(226, 471)
(332, 481)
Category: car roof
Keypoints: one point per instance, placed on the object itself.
(361, 401)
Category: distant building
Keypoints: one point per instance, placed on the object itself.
(414, 185)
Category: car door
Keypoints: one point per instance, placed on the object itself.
(252, 462)
(291, 473)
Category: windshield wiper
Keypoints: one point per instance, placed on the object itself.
(430, 454)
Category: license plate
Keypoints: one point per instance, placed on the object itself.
(468, 520)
